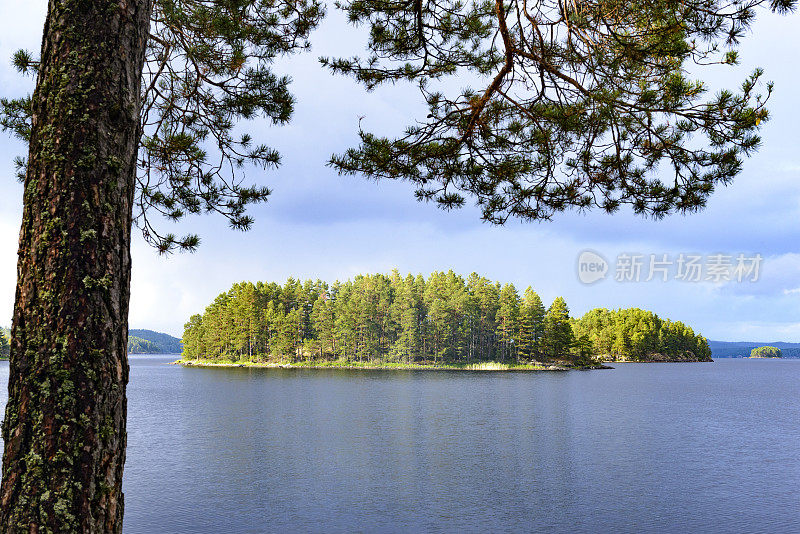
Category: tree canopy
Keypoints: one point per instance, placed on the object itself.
(208, 67)
(634, 334)
(570, 104)
(137, 345)
(444, 318)
(394, 318)
(558, 336)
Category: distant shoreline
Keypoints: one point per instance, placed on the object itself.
(475, 367)
(660, 361)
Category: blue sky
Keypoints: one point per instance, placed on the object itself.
(320, 225)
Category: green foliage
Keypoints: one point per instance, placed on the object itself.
(138, 345)
(443, 319)
(5, 348)
(634, 335)
(388, 319)
(531, 325)
(571, 105)
(208, 68)
(766, 352)
(558, 335)
(584, 350)
(150, 342)
(508, 325)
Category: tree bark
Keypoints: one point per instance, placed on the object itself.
(64, 428)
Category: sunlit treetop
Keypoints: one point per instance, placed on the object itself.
(208, 67)
(574, 104)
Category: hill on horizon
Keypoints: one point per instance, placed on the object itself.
(741, 349)
(141, 341)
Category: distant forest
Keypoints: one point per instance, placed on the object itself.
(137, 345)
(150, 342)
(5, 337)
(139, 342)
(444, 318)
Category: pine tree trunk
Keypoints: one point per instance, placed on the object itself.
(64, 428)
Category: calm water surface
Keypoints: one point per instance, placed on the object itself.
(642, 448)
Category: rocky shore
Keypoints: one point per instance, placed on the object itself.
(486, 366)
(657, 357)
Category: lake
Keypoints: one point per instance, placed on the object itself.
(642, 448)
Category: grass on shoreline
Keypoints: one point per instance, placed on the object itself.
(343, 364)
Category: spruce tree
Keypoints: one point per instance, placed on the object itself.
(583, 350)
(291, 328)
(470, 322)
(407, 314)
(437, 315)
(193, 338)
(487, 296)
(531, 324)
(321, 324)
(558, 335)
(508, 321)
(346, 322)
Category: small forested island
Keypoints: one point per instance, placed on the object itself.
(766, 352)
(444, 321)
